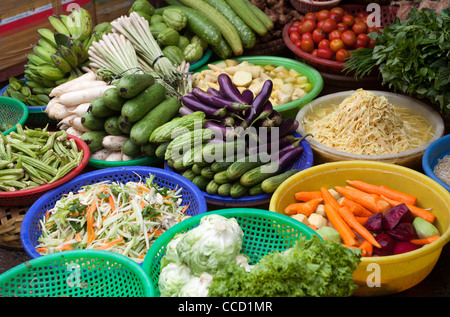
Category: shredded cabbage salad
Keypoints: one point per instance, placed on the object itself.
(123, 218)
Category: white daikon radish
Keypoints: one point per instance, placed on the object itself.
(50, 104)
(101, 154)
(114, 142)
(74, 98)
(89, 76)
(61, 112)
(82, 108)
(74, 132)
(67, 120)
(76, 123)
(64, 126)
(114, 156)
(56, 109)
(79, 86)
(126, 157)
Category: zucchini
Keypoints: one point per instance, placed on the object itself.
(149, 149)
(258, 174)
(197, 169)
(187, 141)
(207, 172)
(124, 125)
(256, 190)
(270, 184)
(212, 188)
(112, 99)
(246, 14)
(132, 85)
(93, 123)
(112, 126)
(221, 177)
(238, 168)
(99, 108)
(201, 182)
(246, 34)
(178, 126)
(94, 140)
(162, 113)
(130, 148)
(238, 190)
(224, 189)
(136, 108)
(199, 24)
(226, 28)
(222, 49)
(161, 150)
(189, 174)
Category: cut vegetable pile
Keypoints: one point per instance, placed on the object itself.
(122, 218)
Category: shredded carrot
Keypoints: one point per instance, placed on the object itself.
(383, 190)
(308, 195)
(347, 235)
(416, 211)
(78, 237)
(145, 189)
(90, 222)
(109, 244)
(111, 203)
(353, 223)
(185, 207)
(425, 241)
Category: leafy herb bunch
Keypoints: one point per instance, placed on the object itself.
(412, 56)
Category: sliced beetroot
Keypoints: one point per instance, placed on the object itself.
(374, 222)
(387, 244)
(396, 215)
(404, 246)
(403, 231)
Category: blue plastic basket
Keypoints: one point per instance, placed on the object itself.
(437, 150)
(30, 230)
(303, 162)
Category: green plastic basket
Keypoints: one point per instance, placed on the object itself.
(145, 161)
(12, 111)
(264, 232)
(77, 273)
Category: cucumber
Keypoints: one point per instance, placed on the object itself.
(212, 188)
(130, 148)
(222, 49)
(189, 174)
(112, 99)
(149, 149)
(218, 151)
(238, 168)
(199, 24)
(162, 113)
(124, 126)
(112, 126)
(200, 182)
(99, 108)
(246, 14)
(238, 190)
(193, 155)
(224, 189)
(132, 85)
(221, 177)
(246, 34)
(136, 108)
(270, 184)
(207, 172)
(178, 126)
(161, 150)
(256, 190)
(257, 175)
(187, 141)
(226, 28)
(92, 122)
(220, 166)
(94, 140)
(197, 169)
(178, 165)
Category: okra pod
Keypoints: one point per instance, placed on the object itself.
(12, 171)
(64, 170)
(14, 183)
(39, 165)
(24, 149)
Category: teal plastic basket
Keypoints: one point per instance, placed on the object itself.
(264, 232)
(13, 112)
(77, 273)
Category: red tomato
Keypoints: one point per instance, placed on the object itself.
(307, 45)
(324, 43)
(348, 19)
(329, 25)
(319, 24)
(371, 43)
(323, 15)
(310, 15)
(336, 16)
(335, 34)
(342, 55)
(324, 52)
(296, 24)
(362, 15)
(314, 52)
(306, 36)
(308, 26)
(349, 38)
(294, 36)
(362, 40)
(318, 35)
(337, 10)
(292, 29)
(359, 28)
(298, 43)
(342, 27)
(336, 45)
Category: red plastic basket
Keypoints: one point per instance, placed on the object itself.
(388, 14)
(305, 6)
(27, 197)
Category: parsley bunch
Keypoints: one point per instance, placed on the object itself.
(412, 57)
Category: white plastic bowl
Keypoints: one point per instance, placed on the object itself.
(411, 158)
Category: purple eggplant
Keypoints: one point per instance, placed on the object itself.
(219, 130)
(194, 104)
(247, 94)
(279, 144)
(228, 90)
(214, 92)
(217, 101)
(184, 111)
(274, 120)
(227, 121)
(260, 101)
(288, 126)
(265, 113)
(288, 154)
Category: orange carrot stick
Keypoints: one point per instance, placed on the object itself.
(305, 208)
(361, 220)
(416, 211)
(367, 248)
(424, 241)
(353, 223)
(383, 190)
(312, 227)
(329, 199)
(347, 235)
(369, 201)
(308, 195)
(356, 208)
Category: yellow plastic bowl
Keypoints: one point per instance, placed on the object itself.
(377, 276)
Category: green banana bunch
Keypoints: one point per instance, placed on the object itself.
(61, 63)
(79, 24)
(48, 35)
(50, 72)
(79, 50)
(58, 25)
(68, 55)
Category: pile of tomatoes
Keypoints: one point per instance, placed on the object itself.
(332, 34)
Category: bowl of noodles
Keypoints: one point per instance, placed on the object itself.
(370, 125)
